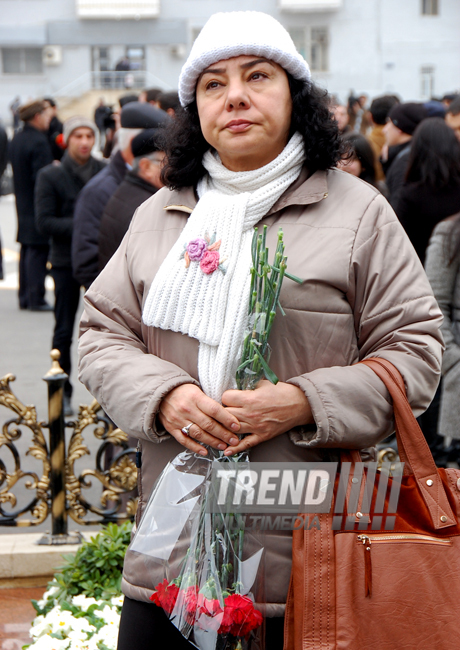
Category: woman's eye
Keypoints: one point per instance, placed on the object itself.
(212, 84)
(258, 75)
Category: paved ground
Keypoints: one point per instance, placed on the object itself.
(25, 342)
(16, 615)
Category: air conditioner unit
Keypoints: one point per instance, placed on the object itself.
(52, 55)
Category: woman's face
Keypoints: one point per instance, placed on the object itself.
(352, 166)
(244, 105)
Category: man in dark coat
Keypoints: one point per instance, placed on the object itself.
(135, 117)
(402, 121)
(56, 192)
(138, 185)
(29, 152)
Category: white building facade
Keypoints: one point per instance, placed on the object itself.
(64, 47)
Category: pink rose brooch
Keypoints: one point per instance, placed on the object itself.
(206, 252)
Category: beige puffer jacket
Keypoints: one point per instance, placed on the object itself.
(364, 294)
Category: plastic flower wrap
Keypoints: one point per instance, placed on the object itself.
(204, 568)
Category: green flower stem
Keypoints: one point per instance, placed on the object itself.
(266, 283)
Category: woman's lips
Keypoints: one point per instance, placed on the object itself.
(237, 126)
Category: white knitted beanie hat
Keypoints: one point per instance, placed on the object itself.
(237, 33)
(75, 122)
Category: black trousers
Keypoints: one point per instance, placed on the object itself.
(67, 297)
(146, 626)
(32, 274)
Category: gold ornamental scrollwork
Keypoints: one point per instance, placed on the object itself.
(389, 457)
(118, 478)
(11, 432)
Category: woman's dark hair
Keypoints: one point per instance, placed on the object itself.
(362, 150)
(434, 157)
(184, 144)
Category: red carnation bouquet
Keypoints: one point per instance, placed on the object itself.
(205, 569)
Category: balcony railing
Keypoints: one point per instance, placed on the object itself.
(110, 79)
(118, 9)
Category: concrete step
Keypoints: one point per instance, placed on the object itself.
(24, 563)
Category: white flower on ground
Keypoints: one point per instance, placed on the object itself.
(49, 592)
(78, 636)
(109, 635)
(83, 602)
(77, 630)
(91, 644)
(47, 642)
(62, 621)
(81, 626)
(40, 626)
(117, 601)
(109, 615)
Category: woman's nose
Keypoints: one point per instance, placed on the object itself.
(237, 96)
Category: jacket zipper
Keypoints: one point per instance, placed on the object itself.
(139, 481)
(368, 540)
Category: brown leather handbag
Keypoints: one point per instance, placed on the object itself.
(357, 585)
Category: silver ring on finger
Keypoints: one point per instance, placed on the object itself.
(186, 430)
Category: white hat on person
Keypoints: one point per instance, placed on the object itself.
(237, 33)
(76, 122)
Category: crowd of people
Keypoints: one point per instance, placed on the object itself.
(74, 202)
(410, 152)
(78, 184)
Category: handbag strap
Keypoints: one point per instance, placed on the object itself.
(412, 445)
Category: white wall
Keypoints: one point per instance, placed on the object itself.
(410, 41)
(376, 46)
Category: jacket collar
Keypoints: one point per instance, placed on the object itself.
(118, 167)
(134, 179)
(304, 191)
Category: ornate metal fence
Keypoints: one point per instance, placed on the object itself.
(59, 490)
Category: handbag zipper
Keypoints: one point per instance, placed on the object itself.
(368, 540)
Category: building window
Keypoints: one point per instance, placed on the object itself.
(430, 7)
(313, 45)
(427, 79)
(136, 56)
(319, 49)
(101, 59)
(22, 60)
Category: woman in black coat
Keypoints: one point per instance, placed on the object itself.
(432, 188)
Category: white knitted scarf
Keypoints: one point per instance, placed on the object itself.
(202, 287)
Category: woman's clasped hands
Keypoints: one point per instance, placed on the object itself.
(263, 413)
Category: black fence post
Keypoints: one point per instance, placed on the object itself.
(56, 378)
